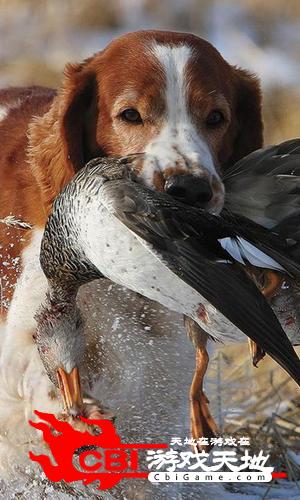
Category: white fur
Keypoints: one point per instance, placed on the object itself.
(4, 110)
(179, 142)
(24, 385)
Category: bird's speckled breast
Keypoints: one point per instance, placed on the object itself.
(124, 258)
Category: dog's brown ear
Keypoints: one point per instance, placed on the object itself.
(78, 114)
(248, 112)
(64, 139)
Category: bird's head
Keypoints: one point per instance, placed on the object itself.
(60, 341)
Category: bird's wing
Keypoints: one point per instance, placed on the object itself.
(265, 186)
(193, 253)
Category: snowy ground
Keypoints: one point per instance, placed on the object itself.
(144, 374)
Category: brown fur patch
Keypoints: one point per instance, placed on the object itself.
(81, 122)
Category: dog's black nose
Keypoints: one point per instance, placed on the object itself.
(189, 189)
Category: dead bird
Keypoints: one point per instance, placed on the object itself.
(104, 224)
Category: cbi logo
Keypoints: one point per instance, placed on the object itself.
(81, 456)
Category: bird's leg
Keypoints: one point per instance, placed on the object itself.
(271, 282)
(202, 422)
(256, 352)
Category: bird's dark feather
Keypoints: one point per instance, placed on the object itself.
(186, 239)
(265, 187)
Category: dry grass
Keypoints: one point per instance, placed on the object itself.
(262, 403)
(88, 14)
(28, 64)
(277, 9)
(281, 114)
(12, 221)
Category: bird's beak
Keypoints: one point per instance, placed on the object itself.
(70, 388)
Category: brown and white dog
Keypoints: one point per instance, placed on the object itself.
(169, 95)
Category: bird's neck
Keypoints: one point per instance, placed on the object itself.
(63, 258)
(60, 331)
(61, 293)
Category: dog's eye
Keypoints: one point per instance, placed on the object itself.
(215, 118)
(131, 115)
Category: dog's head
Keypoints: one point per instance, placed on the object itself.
(171, 96)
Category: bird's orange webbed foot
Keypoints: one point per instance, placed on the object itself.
(91, 409)
(202, 422)
(94, 410)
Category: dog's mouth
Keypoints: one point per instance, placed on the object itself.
(205, 191)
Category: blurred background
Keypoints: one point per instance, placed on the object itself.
(39, 36)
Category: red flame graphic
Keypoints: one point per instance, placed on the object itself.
(64, 445)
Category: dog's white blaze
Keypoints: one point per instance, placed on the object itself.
(174, 61)
(179, 142)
